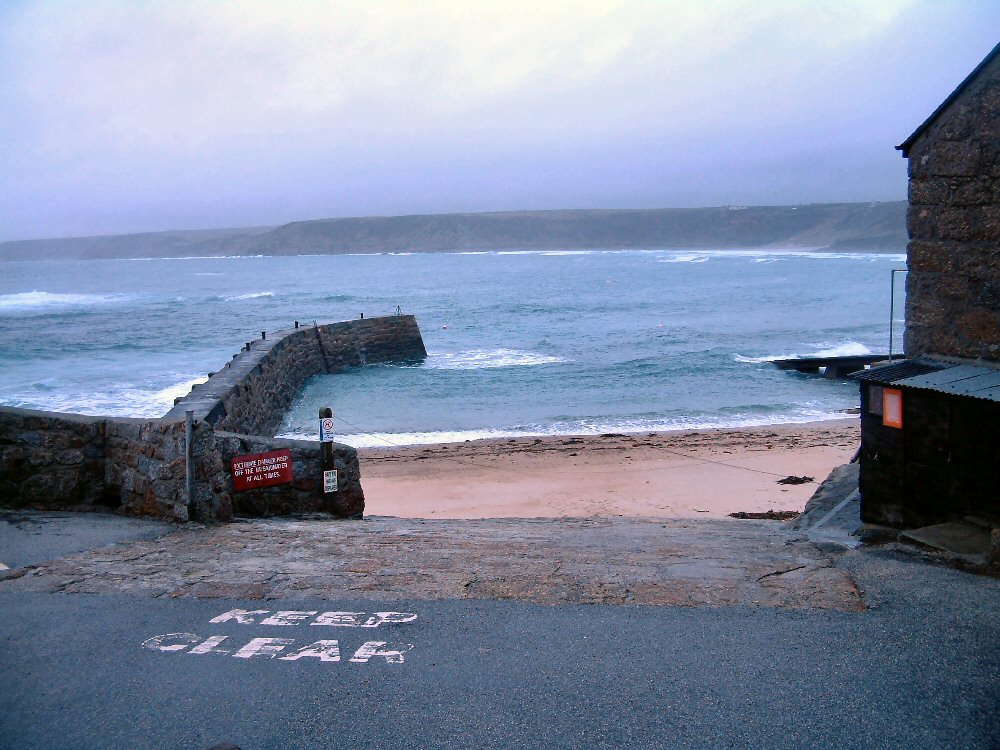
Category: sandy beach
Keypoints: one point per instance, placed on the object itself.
(696, 474)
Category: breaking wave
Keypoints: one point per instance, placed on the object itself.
(480, 359)
(796, 415)
(251, 295)
(111, 400)
(32, 301)
(848, 349)
(687, 258)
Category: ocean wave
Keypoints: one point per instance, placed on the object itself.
(165, 396)
(191, 257)
(30, 301)
(548, 252)
(687, 258)
(847, 349)
(770, 255)
(628, 426)
(480, 359)
(250, 295)
(553, 253)
(115, 401)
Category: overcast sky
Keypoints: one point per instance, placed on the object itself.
(127, 116)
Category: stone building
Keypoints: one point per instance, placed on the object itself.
(953, 285)
(930, 425)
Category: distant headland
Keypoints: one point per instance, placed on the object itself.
(866, 227)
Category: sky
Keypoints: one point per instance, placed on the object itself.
(124, 116)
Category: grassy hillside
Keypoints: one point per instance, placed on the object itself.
(835, 226)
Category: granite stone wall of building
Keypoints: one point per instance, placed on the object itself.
(953, 285)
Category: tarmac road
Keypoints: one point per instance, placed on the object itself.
(31, 537)
(920, 668)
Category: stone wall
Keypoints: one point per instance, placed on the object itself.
(252, 393)
(50, 460)
(146, 469)
(953, 287)
(139, 466)
(305, 494)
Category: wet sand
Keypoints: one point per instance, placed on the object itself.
(689, 474)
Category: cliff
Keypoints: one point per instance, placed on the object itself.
(836, 226)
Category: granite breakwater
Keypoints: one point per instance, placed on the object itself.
(168, 469)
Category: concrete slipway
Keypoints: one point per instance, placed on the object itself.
(498, 633)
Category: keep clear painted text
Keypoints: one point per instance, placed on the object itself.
(291, 649)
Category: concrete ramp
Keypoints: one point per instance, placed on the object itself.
(547, 561)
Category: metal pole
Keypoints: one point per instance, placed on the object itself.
(189, 461)
(892, 304)
(892, 307)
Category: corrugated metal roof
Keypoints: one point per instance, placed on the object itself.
(906, 368)
(962, 380)
(974, 381)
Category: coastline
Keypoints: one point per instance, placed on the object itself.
(705, 473)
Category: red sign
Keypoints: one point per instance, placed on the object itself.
(262, 470)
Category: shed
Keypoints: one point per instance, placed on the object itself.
(930, 442)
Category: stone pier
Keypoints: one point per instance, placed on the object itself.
(139, 466)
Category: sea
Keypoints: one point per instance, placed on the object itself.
(521, 343)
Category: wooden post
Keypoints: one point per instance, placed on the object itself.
(327, 462)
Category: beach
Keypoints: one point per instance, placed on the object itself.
(685, 474)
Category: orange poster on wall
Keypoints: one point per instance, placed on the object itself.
(892, 408)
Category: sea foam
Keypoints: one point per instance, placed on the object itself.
(848, 349)
(592, 427)
(30, 301)
(250, 295)
(479, 359)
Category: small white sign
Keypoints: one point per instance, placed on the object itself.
(326, 430)
(330, 481)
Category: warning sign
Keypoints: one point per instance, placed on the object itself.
(326, 430)
(330, 480)
(262, 470)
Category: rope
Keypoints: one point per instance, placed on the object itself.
(722, 463)
(396, 445)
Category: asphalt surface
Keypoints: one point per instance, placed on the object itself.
(919, 668)
(32, 537)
